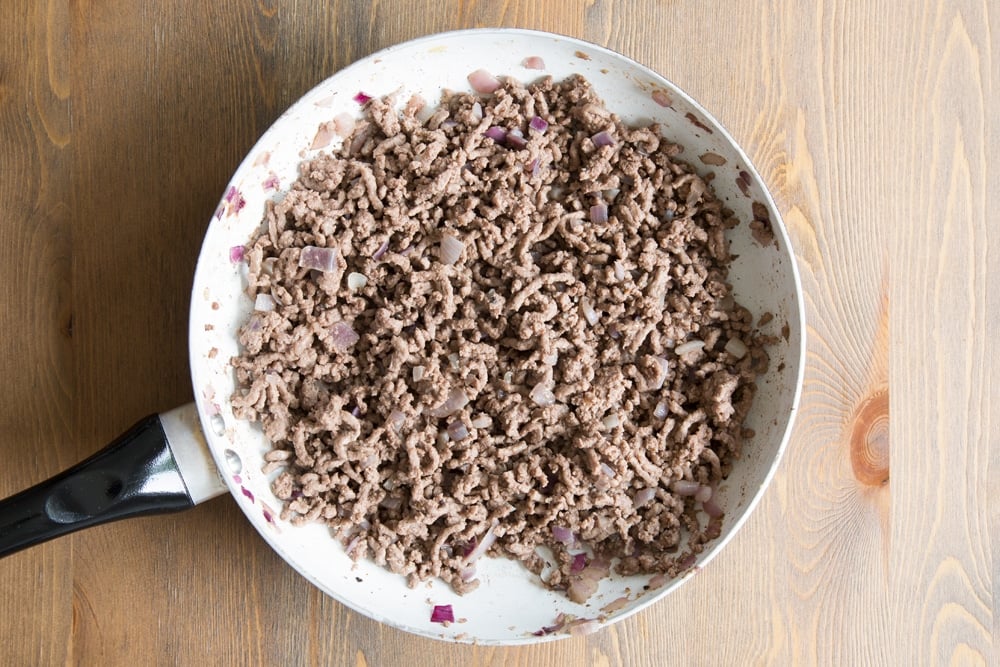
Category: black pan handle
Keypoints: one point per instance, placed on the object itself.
(137, 474)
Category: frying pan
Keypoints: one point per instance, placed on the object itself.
(171, 461)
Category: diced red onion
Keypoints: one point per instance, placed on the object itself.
(320, 259)
(685, 487)
(589, 314)
(483, 546)
(533, 167)
(563, 534)
(610, 421)
(661, 411)
(342, 336)
(482, 421)
(602, 138)
(533, 62)
(450, 249)
(477, 111)
(515, 139)
(606, 469)
(538, 124)
(418, 373)
(458, 431)
(579, 562)
(496, 133)
(736, 347)
(382, 249)
(542, 396)
(467, 573)
(483, 82)
(456, 400)
(448, 124)
(361, 98)
(236, 254)
(690, 346)
(356, 411)
(619, 270)
(599, 213)
(395, 420)
(442, 613)
(644, 496)
(454, 361)
(703, 494)
(264, 303)
(356, 281)
(611, 194)
(712, 508)
(267, 265)
(663, 369)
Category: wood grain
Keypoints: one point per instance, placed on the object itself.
(875, 125)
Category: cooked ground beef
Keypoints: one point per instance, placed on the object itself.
(473, 325)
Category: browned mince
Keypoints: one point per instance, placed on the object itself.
(505, 326)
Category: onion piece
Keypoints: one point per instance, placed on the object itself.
(483, 82)
(619, 270)
(356, 281)
(456, 400)
(542, 396)
(477, 111)
(563, 534)
(606, 469)
(661, 411)
(712, 508)
(685, 487)
(515, 139)
(538, 124)
(599, 213)
(467, 573)
(418, 373)
(610, 421)
(496, 133)
(458, 431)
(533, 167)
(454, 361)
(690, 346)
(587, 309)
(703, 494)
(442, 613)
(736, 347)
(662, 371)
(361, 98)
(533, 62)
(320, 259)
(484, 544)
(236, 254)
(602, 139)
(382, 249)
(482, 421)
(342, 336)
(450, 249)
(579, 562)
(644, 496)
(264, 303)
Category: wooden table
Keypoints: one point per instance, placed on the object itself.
(873, 123)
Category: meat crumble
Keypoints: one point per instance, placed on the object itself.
(501, 325)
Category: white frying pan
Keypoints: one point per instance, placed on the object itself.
(166, 464)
